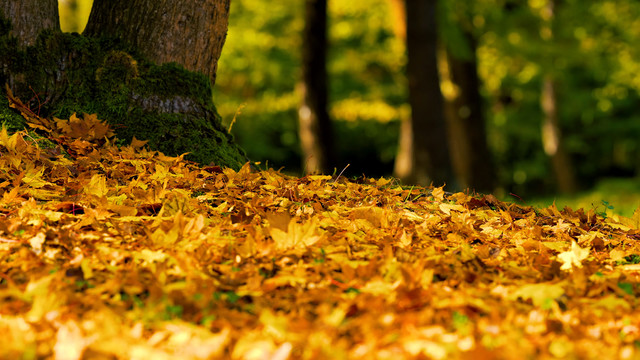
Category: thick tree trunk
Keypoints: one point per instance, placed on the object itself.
(429, 148)
(190, 33)
(314, 122)
(30, 17)
(59, 73)
(472, 161)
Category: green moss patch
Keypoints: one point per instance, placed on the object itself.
(167, 105)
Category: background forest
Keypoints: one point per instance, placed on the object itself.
(584, 51)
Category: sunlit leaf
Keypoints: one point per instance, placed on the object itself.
(97, 186)
(574, 257)
(297, 235)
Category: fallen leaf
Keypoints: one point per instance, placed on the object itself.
(574, 257)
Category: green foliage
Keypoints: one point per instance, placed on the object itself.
(596, 90)
(260, 67)
(367, 60)
(632, 259)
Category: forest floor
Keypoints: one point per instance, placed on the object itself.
(121, 252)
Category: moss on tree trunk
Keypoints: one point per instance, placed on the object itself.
(165, 104)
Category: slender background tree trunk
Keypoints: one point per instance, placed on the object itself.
(314, 122)
(470, 154)
(190, 33)
(429, 146)
(552, 139)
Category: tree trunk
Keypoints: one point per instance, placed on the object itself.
(59, 73)
(472, 161)
(551, 135)
(314, 123)
(552, 140)
(190, 33)
(30, 17)
(429, 154)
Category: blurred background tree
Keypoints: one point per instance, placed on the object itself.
(424, 155)
(314, 126)
(367, 87)
(584, 48)
(588, 48)
(464, 106)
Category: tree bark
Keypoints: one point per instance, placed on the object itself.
(472, 161)
(30, 17)
(57, 74)
(552, 139)
(190, 33)
(429, 154)
(314, 122)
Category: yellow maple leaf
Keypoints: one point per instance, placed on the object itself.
(33, 177)
(573, 257)
(136, 144)
(97, 186)
(438, 194)
(297, 235)
(4, 137)
(89, 127)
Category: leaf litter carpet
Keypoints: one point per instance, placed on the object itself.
(113, 252)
